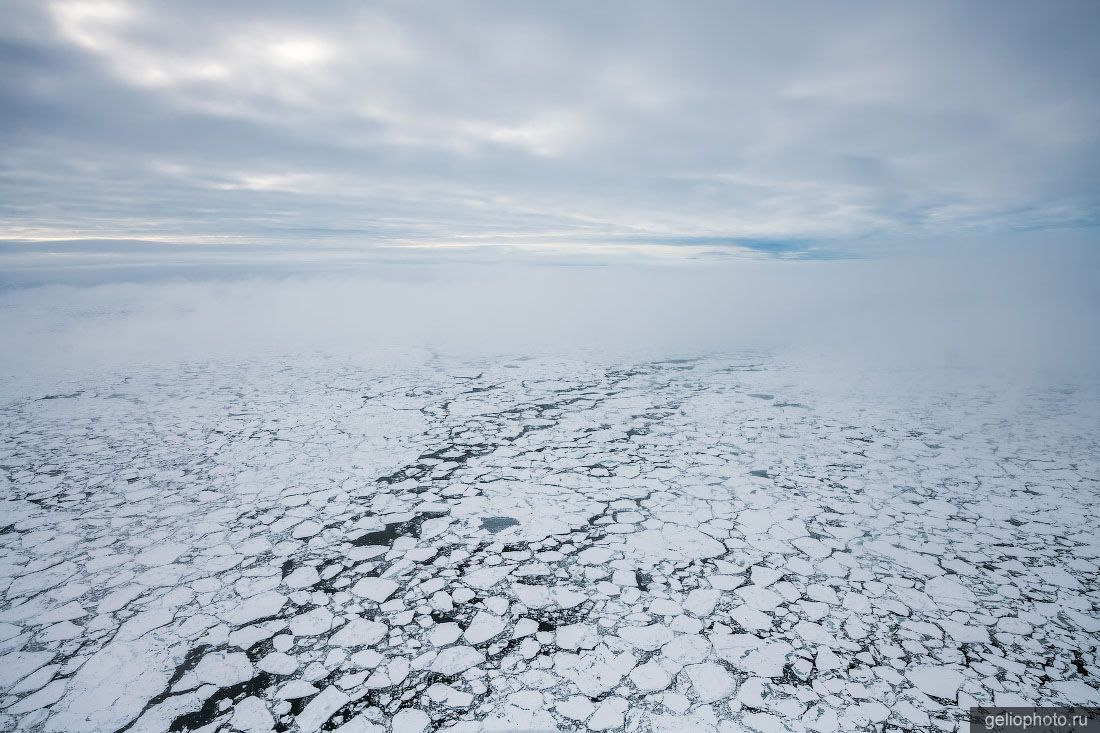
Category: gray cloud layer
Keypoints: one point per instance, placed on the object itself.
(673, 124)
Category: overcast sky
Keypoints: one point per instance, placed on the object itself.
(772, 128)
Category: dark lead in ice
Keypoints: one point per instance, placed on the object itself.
(498, 524)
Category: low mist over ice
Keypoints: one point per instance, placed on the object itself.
(1023, 312)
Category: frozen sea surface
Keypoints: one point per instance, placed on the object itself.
(704, 545)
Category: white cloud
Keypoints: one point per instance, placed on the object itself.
(721, 120)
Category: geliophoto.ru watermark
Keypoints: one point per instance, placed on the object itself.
(1034, 720)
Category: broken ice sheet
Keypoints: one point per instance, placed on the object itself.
(302, 544)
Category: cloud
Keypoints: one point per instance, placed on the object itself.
(566, 123)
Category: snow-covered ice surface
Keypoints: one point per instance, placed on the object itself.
(312, 544)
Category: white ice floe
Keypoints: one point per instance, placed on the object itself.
(711, 682)
(375, 589)
(712, 545)
(455, 659)
(941, 682)
(484, 627)
(320, 708)
(359, 632)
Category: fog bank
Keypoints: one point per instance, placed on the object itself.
(1016, 313)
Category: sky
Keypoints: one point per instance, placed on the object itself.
(882, 183)
(636, 129)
